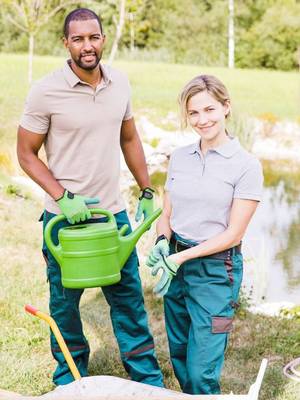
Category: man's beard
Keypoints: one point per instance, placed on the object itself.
(89, 67)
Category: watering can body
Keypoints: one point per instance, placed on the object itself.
(93, 254)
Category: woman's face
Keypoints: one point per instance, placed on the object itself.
(206, 115)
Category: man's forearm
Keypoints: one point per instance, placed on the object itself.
(39, 172)
(135, 160)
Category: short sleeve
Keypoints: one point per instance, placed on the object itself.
(169, 175)
(250, 183)
(36, 116)
(128, 112)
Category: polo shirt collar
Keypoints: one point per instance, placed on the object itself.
(73, 79)
(229, 148)
(226, 150)
(195, 148)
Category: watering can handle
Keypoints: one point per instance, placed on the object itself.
(56, 249)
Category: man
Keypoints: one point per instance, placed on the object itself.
(82, 115)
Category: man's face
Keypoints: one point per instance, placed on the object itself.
(85, 43)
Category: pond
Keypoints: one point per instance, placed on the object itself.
(271, 246)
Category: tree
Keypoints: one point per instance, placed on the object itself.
(119, 27)
(272, 41)
(231, 34)
(30, 16)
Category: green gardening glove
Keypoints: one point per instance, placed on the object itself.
(146, 204)
(74, 206)
(170, 269)
(160, 249)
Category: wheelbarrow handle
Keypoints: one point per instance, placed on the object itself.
(60, 340)
(30, 309)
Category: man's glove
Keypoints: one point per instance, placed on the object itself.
(170, 269)
(74, 206)
(160, 249)
(146, 204)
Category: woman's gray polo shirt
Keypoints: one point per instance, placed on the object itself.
(202, 188)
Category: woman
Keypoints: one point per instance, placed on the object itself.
(213, 188)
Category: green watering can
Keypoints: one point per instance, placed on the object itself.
(93, 254)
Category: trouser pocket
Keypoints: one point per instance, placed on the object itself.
(221, 324)
(234, 270)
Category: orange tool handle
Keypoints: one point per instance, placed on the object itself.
(60, 340)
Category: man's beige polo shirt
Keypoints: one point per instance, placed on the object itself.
(83, 132)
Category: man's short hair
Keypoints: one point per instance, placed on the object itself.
(80, 14)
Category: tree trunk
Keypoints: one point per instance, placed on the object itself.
(118, 32)
(231, 34)
(131, 17)
(30, 57)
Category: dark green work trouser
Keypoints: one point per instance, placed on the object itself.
(199, 308)
(128, 316)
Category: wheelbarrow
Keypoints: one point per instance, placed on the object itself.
(113, 388)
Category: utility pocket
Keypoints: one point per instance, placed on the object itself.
(229, 270)
(221, 324)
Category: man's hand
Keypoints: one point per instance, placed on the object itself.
(160, 249)
(74, 206)
(169, 268)
(146, 204)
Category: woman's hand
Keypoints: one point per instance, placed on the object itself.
(169, 270)
(178, 258)
(160, 249)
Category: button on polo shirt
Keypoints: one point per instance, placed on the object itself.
(83, 132)
(202, 188)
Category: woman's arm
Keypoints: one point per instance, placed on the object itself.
(163, 224)
(240, 216)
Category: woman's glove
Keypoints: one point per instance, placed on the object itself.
(74, 206)
(146, 204)
(170, 269)
(160, 249)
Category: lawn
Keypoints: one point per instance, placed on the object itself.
(155, 87)
(26, 364)
(272, 95)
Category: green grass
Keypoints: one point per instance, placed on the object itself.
(272, 95)
(26, 364)
(255, 92)
(155, 88)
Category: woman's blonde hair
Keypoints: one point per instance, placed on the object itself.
(201, 83)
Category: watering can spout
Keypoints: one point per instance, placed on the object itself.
(127, 243)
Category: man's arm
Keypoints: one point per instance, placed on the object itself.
(132, 149)
(28, 146)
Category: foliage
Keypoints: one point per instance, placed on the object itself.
(283, 171)
(272, 41)
(244, 302)
(242, 126)
(267, 32)
(293, 313)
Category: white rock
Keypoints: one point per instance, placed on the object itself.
(271, 309)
